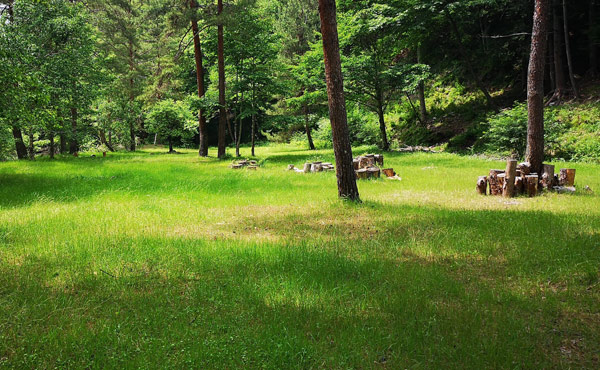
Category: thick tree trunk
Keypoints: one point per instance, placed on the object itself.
(421, 91)
(568, 48)
(202, 134)
(171, 145)
(385, 145)
(346, 178)
(559, 70)
(19, 144)
(311, 144)
(221, 62)
(535, 87)
(74, 144)
(592, 40)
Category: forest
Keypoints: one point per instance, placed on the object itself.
(299, 184)
(113, 75)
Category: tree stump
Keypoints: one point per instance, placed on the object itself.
(362, 173)
(356, 164)
(495, 186)
(374, 172)
(531, 184)
(567, 177)
(379, 159)
(366, 162)
(316, 167)
(389, 172)
(481, 185)
(291, 167)
(547, 176)
(307, 167)
(509, 183)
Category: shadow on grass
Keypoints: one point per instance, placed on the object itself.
(372, 285)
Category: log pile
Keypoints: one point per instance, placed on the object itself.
(251, 165)
(370, 166)
(518, 179)
(313, 167)
(414, 149)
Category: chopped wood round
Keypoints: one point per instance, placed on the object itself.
(495, 185)
(362, 173)
(567, 177)
(482, 185)
(508, 190)
(374, 172)
(307, 167)
(389, 172)
(531, 185)
(548, 177)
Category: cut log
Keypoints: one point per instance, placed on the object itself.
(525, 168)
(379, 159)
(501, 181)
(366, 162)
(291, 167)
(316, 167)
(374, 172)
(389, 172)
(531, 185)
(495, 186)
(509, 183)
(481, 185)
(362, 173)
(548, 176)
(567, 177)
(519, 183)
(307, 167)
(237, 166)
(356, 164)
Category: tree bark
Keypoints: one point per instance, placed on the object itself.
(346, 178)
(202, 134)
(131, 137)
(171, 145)
(535, 87)
(568, 48)
(62, 144)
(385, 145)
(74, 144)
(311, 144)
(221, 63)
(559, 71)
(592, 41)
(421, 90)
(52, 146)
(19, 143)
(253, 132)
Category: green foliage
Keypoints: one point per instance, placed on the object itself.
(170, 119)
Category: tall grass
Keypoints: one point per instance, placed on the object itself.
(153, 260)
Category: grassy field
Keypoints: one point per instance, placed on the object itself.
(152, 260)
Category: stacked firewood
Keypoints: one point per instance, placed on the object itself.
(518, 179)
(313, 167)
(251, 165)
(367, 166)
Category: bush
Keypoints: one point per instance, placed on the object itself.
(572, 132)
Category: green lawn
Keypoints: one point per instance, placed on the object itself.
(152, 260)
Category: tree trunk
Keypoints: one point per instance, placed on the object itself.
(171, 145)
(346, 178)
(421, 91)
(311, 144)
(202, 134)
(19, 144)
(221, 62)
(559, 70)
(62, 144)
(535, 87)
(568, 48)
(74, 144)
(31, 149)
(385, 145)
(51, 138)
(592, 40)
(253, 132)
(132, 137)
